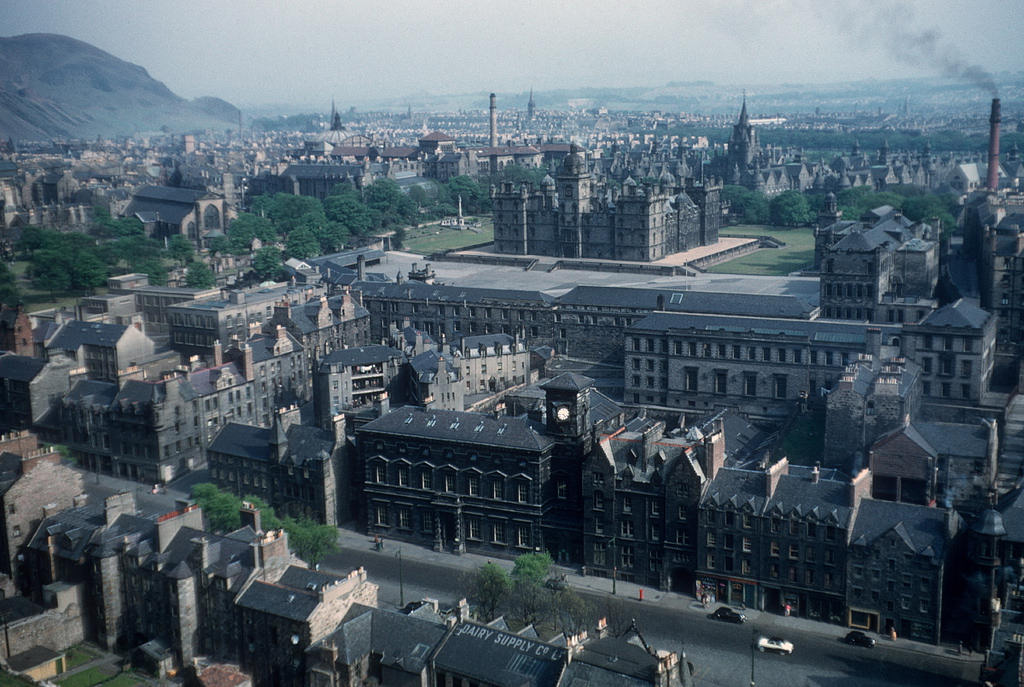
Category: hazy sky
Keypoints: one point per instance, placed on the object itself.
(307, 51)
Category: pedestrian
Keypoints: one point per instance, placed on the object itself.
(376, 542)
(382, 543)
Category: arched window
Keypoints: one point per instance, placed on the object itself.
(211, 217)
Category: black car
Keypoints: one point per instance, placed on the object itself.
(728, 615)
(858, 638)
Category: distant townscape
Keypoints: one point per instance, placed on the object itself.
(527, 335)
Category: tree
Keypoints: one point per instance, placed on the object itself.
(286, 212)
(218, 245)
(301, 243)
(398, 238)
(309, 540)
(532, 568)
(220, 508)
(199, 276)
(490, 588)
(789, 209)
(348, 211)
(267, 262)
(473, 196)
(180, 249)
(750, 207)
(9, 292)
(573, 613)
(247, 227)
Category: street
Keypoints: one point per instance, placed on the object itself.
(720, 652)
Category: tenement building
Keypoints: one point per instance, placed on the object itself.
(578, 217)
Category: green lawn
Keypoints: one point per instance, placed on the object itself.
(88, 678)
(125, 680)
(798, 252)
(433, 237)
(77, 655)
(36, 299)
(8, 680)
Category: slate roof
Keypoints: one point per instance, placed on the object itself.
(497, 658)
(17, 607)
(32, 658)
(21, 368)
(362, 355)
(75, 333)
(921, 528)
(263, 346)
(814, 330)
(245, 441)
(279, 600)
(204, 381)
(613, 661)
(81, 531)
(460, 426)
(568, 381)
(1012, 509)
(741, 488)
(962, 313)
(450, 294)
(170, 194)
(425, 366)
(308, 444)
(92, 392)
(827, 500)
(949, 438)
(403, 641)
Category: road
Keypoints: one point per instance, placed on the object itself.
(720, 652)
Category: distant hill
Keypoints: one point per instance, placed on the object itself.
(56, 86)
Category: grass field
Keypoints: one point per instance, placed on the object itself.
(797, 254)
(35, 299)
(88, 678)
(433, 237)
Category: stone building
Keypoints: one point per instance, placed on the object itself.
(955, 347)
(872, 397)
(641, 491)
(776, 538)
(354, 378)
(1001, 276)
(33, 484)
(30, 386)
(293, 467)
(148, 431)
(15, 330)
(701, 363)
(277, 365)
(882, 270)
(576, 217)
(896, 568)
(458, 480)
(166, 212)
(104, 350)
(323, 325)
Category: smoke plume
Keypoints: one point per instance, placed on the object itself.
(895, 27)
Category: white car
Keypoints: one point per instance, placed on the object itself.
(776, 644)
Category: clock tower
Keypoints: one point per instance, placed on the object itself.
(567, 401)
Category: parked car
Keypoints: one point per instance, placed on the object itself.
(858, 638)
(776, 644)
(728, 615)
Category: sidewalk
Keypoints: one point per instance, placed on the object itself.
(768, 623)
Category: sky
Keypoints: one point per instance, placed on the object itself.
(303, 52)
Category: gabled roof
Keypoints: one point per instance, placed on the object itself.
(568, 381)
(245, 441)
(21, 368)
(76, 333)
(362, 355)
(490, 656)
(962, 313)
(921, 528)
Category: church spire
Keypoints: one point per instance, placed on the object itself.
(744, 119)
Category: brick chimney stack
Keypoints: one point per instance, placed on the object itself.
(993, 146)
(494, 121)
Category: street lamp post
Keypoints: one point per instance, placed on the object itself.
(753, 643)
(615, 561)
(401, 581)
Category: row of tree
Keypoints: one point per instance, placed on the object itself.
(309, 540)
(793, 209)
(529, 596)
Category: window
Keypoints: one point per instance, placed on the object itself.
(779, 386)
(403, 475)
(473, 485)
(746, 544)
(794, 552)
(473, 527)
(774, 549)
(522, 536)
(449, 481)
(627, 504)
(690, 379)
(405, 517)
(600, 553)
(379, 473)
(750, 384)
(710, 538)
(627, 528)
(425, 480)
(498, 532)
(626, 556)
(599, 478)
(598, 500)
(522, 492)
(380, 514)
(562, 489)
(794, 527)
(721, 382)
(496, 488)
(681, 513)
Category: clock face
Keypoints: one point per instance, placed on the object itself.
(562, 414)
